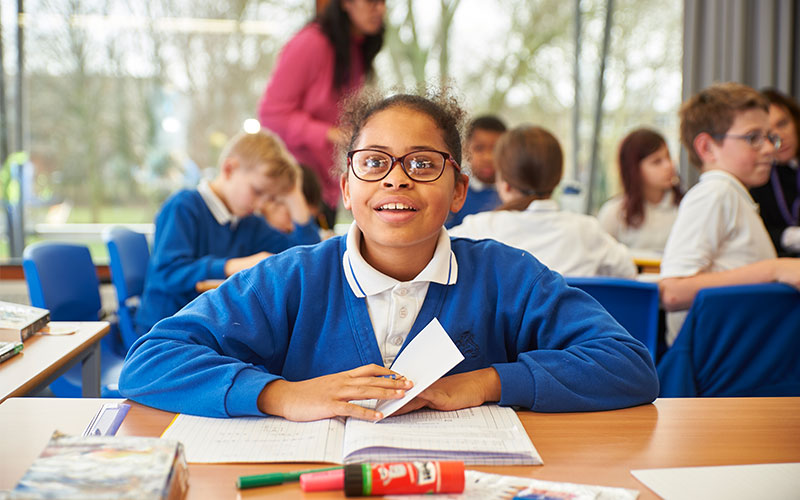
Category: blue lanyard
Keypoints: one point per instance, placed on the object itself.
(792, 217)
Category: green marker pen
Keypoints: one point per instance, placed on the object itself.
(274, 478)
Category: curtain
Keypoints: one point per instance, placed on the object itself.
(755, 42)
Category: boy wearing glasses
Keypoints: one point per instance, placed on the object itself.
(719, 238)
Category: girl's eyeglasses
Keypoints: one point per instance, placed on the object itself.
(424, 165)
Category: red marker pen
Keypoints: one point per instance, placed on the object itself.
(403, 478)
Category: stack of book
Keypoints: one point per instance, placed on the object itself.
(18, 322)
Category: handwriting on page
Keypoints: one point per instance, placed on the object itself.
(483, 434)
(425, 359)
(257, 439)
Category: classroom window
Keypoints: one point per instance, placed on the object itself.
(125, 102)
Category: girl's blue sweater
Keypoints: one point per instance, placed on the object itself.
(294, 316)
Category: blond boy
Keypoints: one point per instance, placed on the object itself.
(718, 238)
(211, 232)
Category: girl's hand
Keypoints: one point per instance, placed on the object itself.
(328, 396)
(463, 390)
(296, 203)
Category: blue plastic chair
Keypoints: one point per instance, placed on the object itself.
(736, 341)
(129, 254)
(61, 277)
(634, 304)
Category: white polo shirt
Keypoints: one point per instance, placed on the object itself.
(569, 243)
(718, 228)
(652, 235)
(394, 305)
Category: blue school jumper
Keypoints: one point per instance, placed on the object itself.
(477, 201)
(294, 316)
(191, 246)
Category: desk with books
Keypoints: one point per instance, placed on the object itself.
(46, 357)
(594, 448)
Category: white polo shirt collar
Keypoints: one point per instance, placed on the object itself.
(216, 206)
(365, 280)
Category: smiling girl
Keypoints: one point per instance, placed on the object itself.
(305, 332)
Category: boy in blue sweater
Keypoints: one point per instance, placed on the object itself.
(482, 134)
(303, 333)
(211, 232)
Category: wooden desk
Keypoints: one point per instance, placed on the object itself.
(595, 448)
(206, 285)
(44, 358)
(648, 264)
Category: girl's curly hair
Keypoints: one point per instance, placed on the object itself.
(440, 104)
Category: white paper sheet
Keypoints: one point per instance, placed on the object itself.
(257, 439)
(772, 481)
(425, 359)
(484, 486)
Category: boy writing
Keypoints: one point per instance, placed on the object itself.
(718, 238)
(211, 232)
(303, 333)
(482, 135)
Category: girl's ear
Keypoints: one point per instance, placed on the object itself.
(344, 186)
(459, 193)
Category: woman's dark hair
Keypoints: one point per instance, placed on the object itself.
(335, 24)
(530, 160)
(635, 147)
(778, 98)
(439, 104)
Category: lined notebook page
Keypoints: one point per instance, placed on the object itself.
(483, 435)
(257, 439)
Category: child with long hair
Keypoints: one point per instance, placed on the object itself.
(642, 216)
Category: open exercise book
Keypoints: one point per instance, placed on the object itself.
(483, 435)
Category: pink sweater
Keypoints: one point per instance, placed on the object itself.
(300, 103)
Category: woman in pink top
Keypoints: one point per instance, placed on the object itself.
(329, 58)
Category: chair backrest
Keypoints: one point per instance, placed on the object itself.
(736, 341)
(634, 304)
(61, 277)
(129, 255)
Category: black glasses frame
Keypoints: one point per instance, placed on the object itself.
(402, 161)
(753, 139)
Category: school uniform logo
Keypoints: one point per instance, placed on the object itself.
(467, 345)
